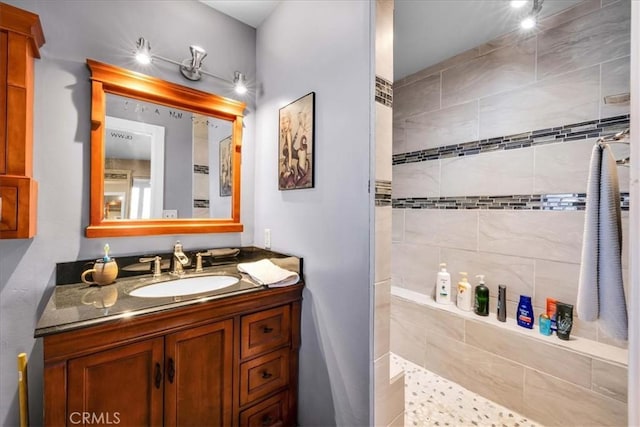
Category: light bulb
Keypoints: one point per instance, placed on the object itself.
(143, 51)
(517, 4)
(239, 83)
(143, 58)
(528, 23)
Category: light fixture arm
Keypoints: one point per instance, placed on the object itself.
(190, 68)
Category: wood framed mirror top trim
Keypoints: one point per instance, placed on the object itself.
(109, 79)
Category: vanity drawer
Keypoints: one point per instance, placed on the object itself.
(263, 375)
(270, 413)
(265, 331)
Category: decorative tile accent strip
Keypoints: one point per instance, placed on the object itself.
(384, 91)
(200, 203)
(204, 169)
(544, 202)
(572, 132)
(383, 193)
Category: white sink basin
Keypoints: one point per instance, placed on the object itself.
(185, 286)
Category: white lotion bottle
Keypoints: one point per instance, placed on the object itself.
(465, 300)
(443, 285)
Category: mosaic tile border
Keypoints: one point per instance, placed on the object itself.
(200, 203)
(572, 132)
(384, 91)
(204, 169)
(544, 202)
(383, 193)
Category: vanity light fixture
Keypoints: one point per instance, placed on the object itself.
(191, 68)
(531, 19)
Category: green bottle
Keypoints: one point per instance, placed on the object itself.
(481, 306)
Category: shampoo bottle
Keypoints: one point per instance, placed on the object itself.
(464, 293)
(502, 303)
(481, 305)
(443, 286)
(525, 312)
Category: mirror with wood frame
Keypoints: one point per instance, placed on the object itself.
(165, 158)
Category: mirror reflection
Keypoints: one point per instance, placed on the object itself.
(162, 162)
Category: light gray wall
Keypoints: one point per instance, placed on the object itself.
(323, 47)
(105, 31)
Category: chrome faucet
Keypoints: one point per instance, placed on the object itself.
(179, 259)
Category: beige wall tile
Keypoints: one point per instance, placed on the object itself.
(588, 40)
(442, 323)
(421, 179)
(514, 272)
(615, 80)
(497, 173)
(416, 97)
(502, 69)
(558, 280)
(397, 226)
(551, 235)
(562, 167)
(382, 319)
(389, 396)
(481, 372)
(415, 266)
(582, 8)
(538, 355)
(448, 126)
(383, 142)
(567, 98)
(408, 334)
(399, 140)
(456, 229)
(384, 39)
(437, 68)
(383, 243)
(581, 407)
(609, 379)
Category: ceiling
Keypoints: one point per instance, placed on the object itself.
(425, 31)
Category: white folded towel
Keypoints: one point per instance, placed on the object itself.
(267, 273)
(600, 287)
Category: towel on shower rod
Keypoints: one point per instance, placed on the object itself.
(600, 286)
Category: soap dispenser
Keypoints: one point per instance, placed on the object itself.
(443, 285)
(464, 293)
(481, 305)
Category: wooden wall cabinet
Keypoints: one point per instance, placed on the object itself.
(231, 362)
(21, 37)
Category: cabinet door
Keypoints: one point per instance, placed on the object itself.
(199, 373)
(119, 386)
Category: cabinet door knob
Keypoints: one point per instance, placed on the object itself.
(158, 376)
(267, 420)
(267, 330)
(171, 370)
(266, 375)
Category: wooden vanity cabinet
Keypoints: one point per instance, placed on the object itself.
(21, 37)
(182, 367)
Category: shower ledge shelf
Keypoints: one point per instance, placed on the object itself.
(580, 345)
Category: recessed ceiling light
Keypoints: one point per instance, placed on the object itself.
(528, 23)
(517, 4)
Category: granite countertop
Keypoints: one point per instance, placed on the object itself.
(78, 305)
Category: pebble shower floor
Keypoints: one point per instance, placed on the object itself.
(431, 400)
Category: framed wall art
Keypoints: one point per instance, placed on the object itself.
(296, 138)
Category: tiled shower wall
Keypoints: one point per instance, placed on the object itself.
(491, 151)
(388, 392)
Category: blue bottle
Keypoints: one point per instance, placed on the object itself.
(525, 312)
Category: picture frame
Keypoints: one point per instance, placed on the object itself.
(296, 144)
(225, 169)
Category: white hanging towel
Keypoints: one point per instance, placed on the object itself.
(600, 286)
(267, 273)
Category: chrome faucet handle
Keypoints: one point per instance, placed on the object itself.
(157, 270)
